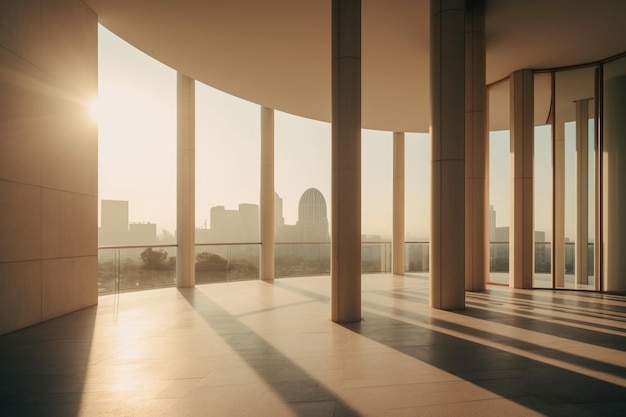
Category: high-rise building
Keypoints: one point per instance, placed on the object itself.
(313, 216)
(114, 222)
(115, 228)
(312, 223)
(142, 233)
(224, 224)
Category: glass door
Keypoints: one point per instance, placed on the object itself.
(574, 173)
(543, 187)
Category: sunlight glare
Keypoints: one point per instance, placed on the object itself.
(94, 109)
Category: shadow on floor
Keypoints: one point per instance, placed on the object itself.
(534, 384)
(302, 393)
(43, 368)
(539, 386)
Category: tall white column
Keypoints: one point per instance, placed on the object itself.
(397, 249)
(447, 74)
(521, 258)
(476, 150)
(185, 182)
(614, 191)
(582, 189)
(346, 161)
(267, 193)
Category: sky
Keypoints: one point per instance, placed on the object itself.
(137, 150)
(499, 176)
(137, 154)
(136, 131)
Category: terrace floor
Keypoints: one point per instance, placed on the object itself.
(269, 349)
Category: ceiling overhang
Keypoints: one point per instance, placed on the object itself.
(277, 53)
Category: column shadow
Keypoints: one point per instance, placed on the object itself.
(544, 388)
(537, 385)
(537, 322)
(293, 384)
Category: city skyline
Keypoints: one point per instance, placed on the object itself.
(225, 225)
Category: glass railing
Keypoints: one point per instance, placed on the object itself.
(227, 262)
(499, 263)
(134, 268)
(313, 258)
(587, 280)
(293, 259)
(499, 257)
(591, 266)
(417, 256)
(570, 256)
(543, 258)
(543, 265)
(375, 257)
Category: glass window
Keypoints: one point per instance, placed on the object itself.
(228, 147)
(228, 136)
(417, 201)
(302, 171)
(136, 113)
(376, 200)
(543, 180)
(377, 184)
(136, 145)
(574, 129)
(301, 163)
(499, 182)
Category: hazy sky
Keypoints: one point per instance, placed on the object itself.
(137, 149)
(137, 153)
(137, 131)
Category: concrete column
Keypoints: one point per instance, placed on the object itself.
(597, 182)
(582, 189)
(267, 193)
(398, 204)
(346, 161)
(598, 262)
(185, 182)
(521, 264)
(476, 150)
(447, 74)
(614, 191)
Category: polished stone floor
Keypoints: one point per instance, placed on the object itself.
(268, 349)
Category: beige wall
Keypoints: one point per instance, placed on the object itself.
(48, 160)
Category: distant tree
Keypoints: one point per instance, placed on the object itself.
(154, 259)
(206, 261)
(171, 263)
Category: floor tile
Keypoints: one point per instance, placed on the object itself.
(256, 348)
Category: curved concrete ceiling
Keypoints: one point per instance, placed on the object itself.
(277, 52)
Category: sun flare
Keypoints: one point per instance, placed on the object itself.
(94, 109)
